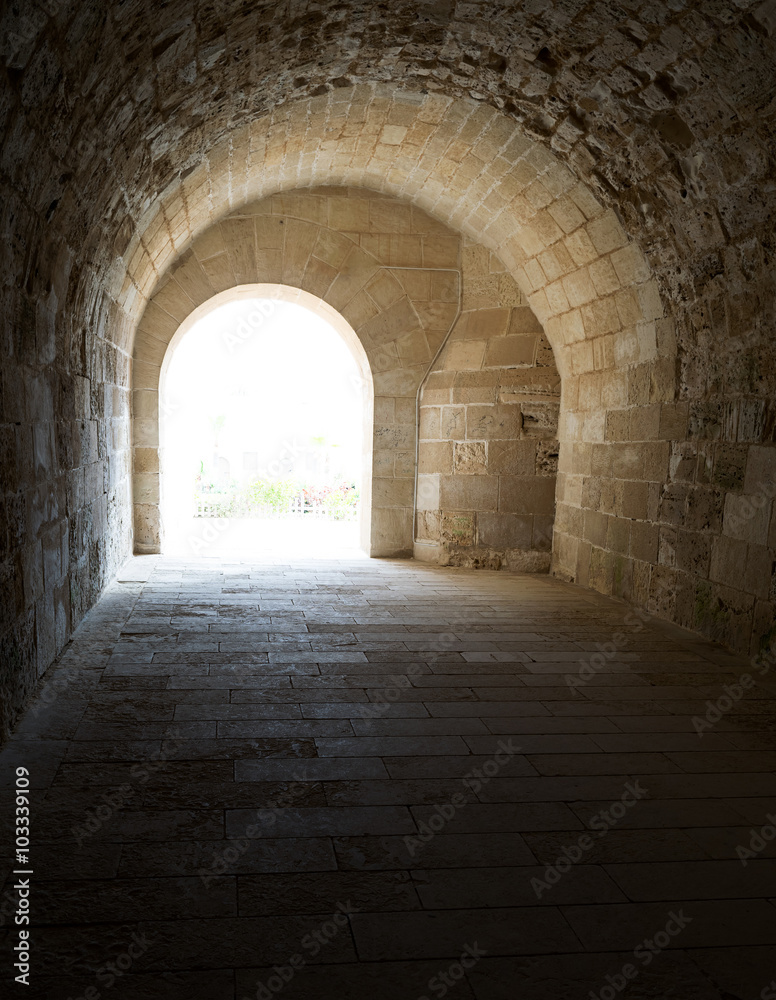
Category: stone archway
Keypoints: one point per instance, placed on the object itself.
(478, 174)
(400, 305)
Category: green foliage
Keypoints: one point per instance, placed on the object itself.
(274, 494)
(342, 502)
(278, 498)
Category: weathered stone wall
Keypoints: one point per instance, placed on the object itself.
(65, 488)
(617, 158)
(488, 447)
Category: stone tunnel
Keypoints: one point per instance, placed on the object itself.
(548, 231)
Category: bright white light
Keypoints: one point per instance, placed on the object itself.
(259, 388)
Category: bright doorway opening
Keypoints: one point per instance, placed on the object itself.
(266, 429)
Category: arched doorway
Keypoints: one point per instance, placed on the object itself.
(400, 296)
(265, 428)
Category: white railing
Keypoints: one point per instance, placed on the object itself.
(226, 505)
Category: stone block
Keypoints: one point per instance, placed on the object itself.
(644, 541)
(728, 561)
(391, 535)
(392, 492)
(469, 458)
(435, 315)
(618, 535)
(628, 461)
(578, 287)
(413, 348)
(465, 354)
(595, 527)
(436, 457)
(457, 529)
(511, 351)
(656, 455)
(384, 289)
(398, 381)
(504, 531)
(635, 496)
(704, 509)
(468, 493)
(645, 422)
(601, 570)
(146, 460)
(606, 233)
(760, 478)
(547, 455)
(729, 466)
(428, 525)
(491, 422)
(348, 215)
(526, 495)
(394, 436)
(452, 423)
(441, 251)
(483, 324)
(427, 497)
(630, 265)
(542, 533)
(240, 241)
(512, 458)
(430, 422)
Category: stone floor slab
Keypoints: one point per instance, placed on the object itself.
(375, 765)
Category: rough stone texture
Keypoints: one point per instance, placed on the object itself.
(616, 157)
(488, 428)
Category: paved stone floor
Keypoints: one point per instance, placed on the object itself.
(375, 776)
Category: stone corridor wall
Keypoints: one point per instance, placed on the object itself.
(488, 444)
(65, 485)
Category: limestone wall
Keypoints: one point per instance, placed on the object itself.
(488, 447)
